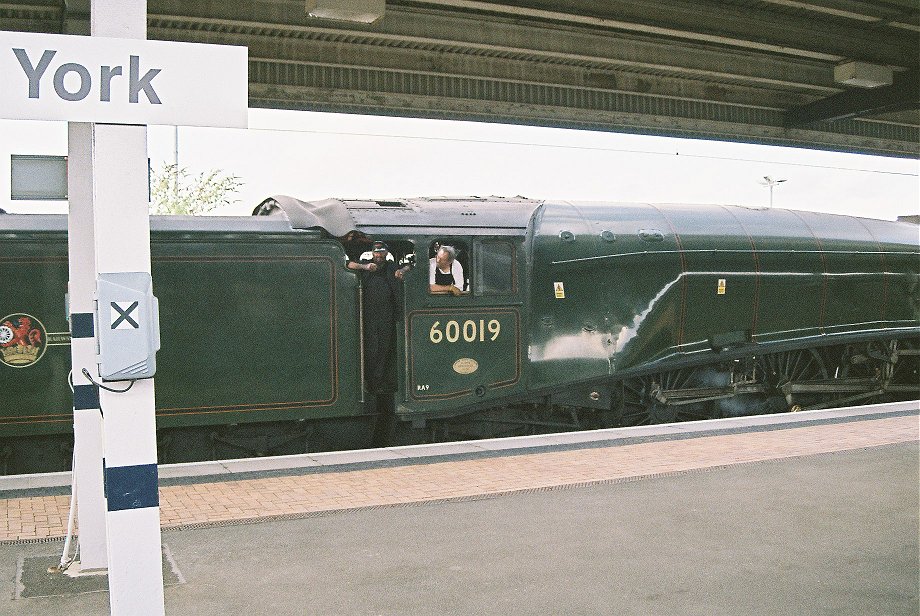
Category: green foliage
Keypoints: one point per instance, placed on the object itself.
(174, 191)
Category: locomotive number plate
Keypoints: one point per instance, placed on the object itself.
(454, 353)
(450, 331)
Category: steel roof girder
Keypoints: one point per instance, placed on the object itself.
(903, 94)
(712, 22)
(887, 140)
(592, 51)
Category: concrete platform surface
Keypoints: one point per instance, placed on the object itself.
(787, 515)
(833, 533)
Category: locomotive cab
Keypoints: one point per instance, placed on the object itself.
(460, 351)
(465, 347)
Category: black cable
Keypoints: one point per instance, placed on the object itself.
(101, 386)
(585, 148)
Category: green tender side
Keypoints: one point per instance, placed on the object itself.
(35, 397)
(256, 325)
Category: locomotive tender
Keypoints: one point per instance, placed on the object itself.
(575, 316)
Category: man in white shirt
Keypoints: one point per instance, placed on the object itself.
(445, 274)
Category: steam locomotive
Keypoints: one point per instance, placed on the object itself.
(573, 316)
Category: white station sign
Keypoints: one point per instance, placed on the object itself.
(122, 81)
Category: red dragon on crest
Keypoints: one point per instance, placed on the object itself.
(23, 334)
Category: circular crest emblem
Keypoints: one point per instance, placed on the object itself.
(466, 365)
(22, 340)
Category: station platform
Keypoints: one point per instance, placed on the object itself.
(807, 513)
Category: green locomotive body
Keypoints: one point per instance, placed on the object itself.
(660, 284)
(574, 315)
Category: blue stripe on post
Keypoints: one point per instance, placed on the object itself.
(85, 397)
(81, 325)
(131, 487)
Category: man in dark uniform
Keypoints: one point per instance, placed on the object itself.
(380, 279)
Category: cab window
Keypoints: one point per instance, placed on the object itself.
(496, 268)
(448, 266)
(403, 252)
(359, 249)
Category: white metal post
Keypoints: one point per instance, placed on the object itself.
(114, 218)
(122, 232)
(87, 423)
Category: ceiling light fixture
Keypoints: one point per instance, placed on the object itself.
(359, 11)
(863, 74)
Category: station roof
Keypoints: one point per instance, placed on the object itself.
(748, 70)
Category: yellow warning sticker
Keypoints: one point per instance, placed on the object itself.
(721, 288)
(560, 290)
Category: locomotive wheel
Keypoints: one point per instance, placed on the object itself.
(872, 360)
(867, 362)
(791, 367)
(641, 405)
(907, 369)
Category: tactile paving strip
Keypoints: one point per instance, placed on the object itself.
(276, 497)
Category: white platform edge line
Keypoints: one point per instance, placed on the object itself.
(233, 467)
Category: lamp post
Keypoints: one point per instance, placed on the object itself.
(768, 181)
(176, 162)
